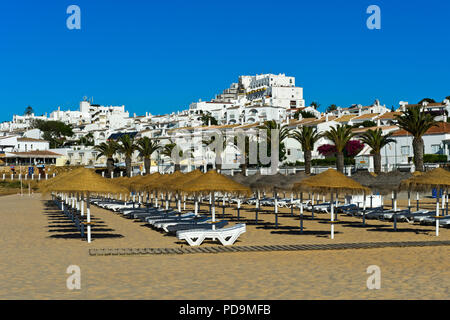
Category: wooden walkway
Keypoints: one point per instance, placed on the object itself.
(230, 249)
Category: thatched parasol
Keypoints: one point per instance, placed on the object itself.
(241, 178)
(388, 182)
(175, 185)
(330, 181)
(273, 182)
(84, 181)
(212, 182)
(438, 179)
(364, 178)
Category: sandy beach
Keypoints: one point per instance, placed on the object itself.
(39, 243)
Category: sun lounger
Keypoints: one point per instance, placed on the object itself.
(197, 226)
(152, 219)
(185, 216)
(226, 236)
(171, 222)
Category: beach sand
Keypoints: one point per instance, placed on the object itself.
(38, 244)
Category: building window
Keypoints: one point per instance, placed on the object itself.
(405, 150)
(435, 148)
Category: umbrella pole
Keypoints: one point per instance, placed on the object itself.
(395, 201)
(223, 206)
(184, 202)
(392, 200)
(409, 201)
(196, 205)
(276, 210)
(82, 214)
(332, 216)
(238, 208)
(301, 212)
(417, 201)
(437, 212)
(257, 208)
(446, 205)
(213, 210)
(292, 204)
(179, 202)
(88, 211)
(312, 207)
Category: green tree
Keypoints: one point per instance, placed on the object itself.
(417, 123)
(429, 100)
(174, 152)
(107, 149)
(283, 133)
(127, 147)
(28, 111)
(206, 118)
(331, 108)
(340, 136)
(244, 149)
(210, 142)
(146, 148)
(376, 140)
(305, 114)
(307, 137)
(55, 132)
(315, 105)
(87, 140)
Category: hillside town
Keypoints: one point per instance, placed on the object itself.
(255, 102)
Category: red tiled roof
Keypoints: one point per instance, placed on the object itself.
(441, 128)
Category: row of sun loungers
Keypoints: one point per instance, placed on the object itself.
(192, 228)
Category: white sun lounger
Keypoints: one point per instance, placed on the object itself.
(226, 236)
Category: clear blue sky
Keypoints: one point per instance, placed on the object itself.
(159, 56)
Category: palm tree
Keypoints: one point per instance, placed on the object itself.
(146, 148)
(307, 137)
(331, 108)
(107, 149)
(417, 123)
(315, 105)
(340, 136)
(174, 152)
(127, 147)
(243, 149)
(283, 133)
(218, 153)
(376, 140)
(207, 119)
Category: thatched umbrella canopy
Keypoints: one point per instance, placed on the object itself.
(163, 184)
(364, 178)
(273, 182)
(241, 178)
(177, 184)
(388, 182)
(132, 184)
(212, 182)
(84, 181)
(438, 178)
(330, 181)
(292, 179)
(45, 185)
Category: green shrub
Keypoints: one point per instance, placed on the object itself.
(434, 158)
